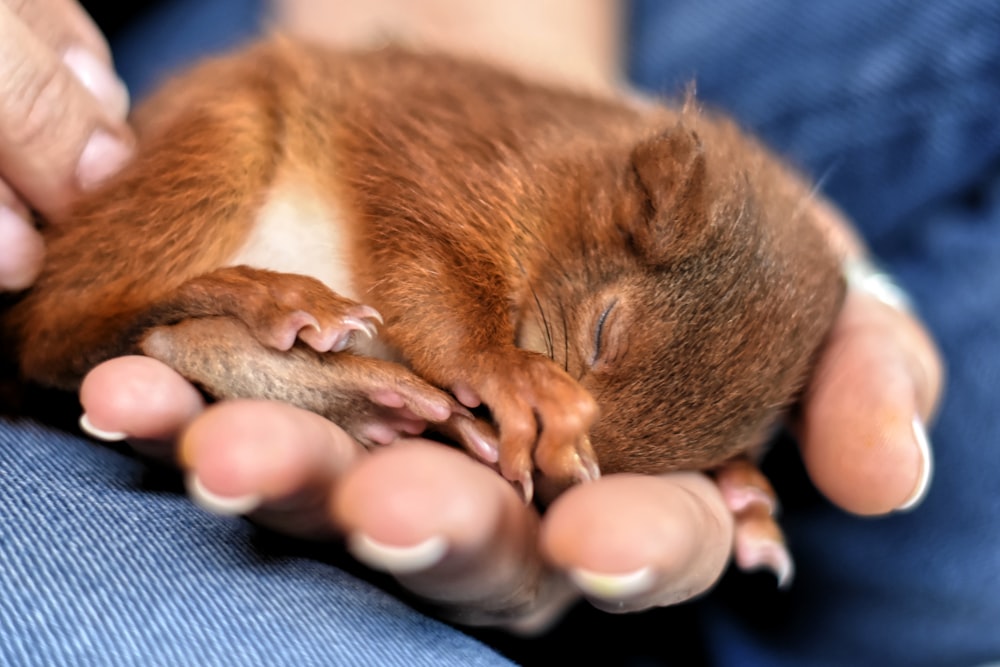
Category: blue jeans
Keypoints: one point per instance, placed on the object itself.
(893, 105)
(104, 561)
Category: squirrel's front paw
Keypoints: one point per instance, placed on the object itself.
(759, 543)
(277, 308)
(302, 308)
(543, 417)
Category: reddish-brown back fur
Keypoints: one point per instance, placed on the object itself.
(487, 211)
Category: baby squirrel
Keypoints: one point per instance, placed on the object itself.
(626, 286)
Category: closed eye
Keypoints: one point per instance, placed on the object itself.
(599, 331)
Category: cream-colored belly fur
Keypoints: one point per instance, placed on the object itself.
(299, 231)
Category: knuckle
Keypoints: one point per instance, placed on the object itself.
(18, 7)
(519, 427)
(33, 105)
(587, 408)
(10, 200)
(569, 419)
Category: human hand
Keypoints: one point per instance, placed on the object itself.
(453, 532)
(62, 122)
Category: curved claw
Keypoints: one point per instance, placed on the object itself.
(759, 542)
(588, 469)
(759, 550)
(360, 320)
(525, 488)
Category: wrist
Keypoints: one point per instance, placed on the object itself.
(561, 41)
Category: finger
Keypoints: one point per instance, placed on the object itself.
(139, 399)
(452, 531)
(271, 460)
(630, 542)
(55, 138)
(69, 33)
(21, 247)
(862, 433)
(60, 24)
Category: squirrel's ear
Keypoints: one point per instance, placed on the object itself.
(671, 173)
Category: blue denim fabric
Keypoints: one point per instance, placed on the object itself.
(104, 561)
(174, 33)
(894, 105)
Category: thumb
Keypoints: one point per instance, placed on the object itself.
(862, 434)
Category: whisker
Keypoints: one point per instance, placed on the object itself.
(565, 325)
(549, 348)
(814, 191)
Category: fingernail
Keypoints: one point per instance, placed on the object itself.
(587, 470)
(397, 560)
(102, 157)
(613, 586)
(926, 466)
(107, 436)
(23, 251)
(99, 79)
(525, 487)
(484, 449)
(222, 505)
(466, 395)
(369, 312)
(764, 554)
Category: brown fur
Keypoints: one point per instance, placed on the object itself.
(488, 213)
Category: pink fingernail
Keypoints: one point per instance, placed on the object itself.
(99, 79)
(222, 505)
(107, 436)
(388, 398)
(397, 559)
(926, 466)
(484, 449)
(614, 587)
(102, 157)
(380, 434)
(23, 250)
(466, 395)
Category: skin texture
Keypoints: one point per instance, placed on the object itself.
(62, 122)
(149, 403)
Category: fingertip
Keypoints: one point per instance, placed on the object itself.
(21, 251)
(452, 532)
(397, 560)
(926, 470)
(270, 449)
(631, 541)
(618, 524)
(221, 505)
(88, 427)
(140, 397)
(99, 79)
(858, 439)
(415, 488)
(103, 155)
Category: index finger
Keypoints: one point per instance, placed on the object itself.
(61, 24)
(55, 138)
